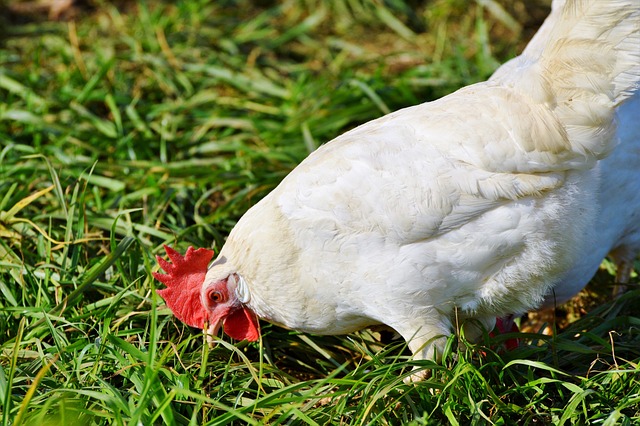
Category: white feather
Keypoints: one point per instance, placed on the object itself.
(476, 203)
(617, 227)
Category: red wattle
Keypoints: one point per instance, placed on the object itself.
(242, 324)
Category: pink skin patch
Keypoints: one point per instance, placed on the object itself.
(184, 279)
(225, 309)
(507, 325)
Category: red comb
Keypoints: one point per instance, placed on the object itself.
(184, 278)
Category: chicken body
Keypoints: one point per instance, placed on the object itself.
(471, 206)
(407, 229)
(616, 230)
(617, 226)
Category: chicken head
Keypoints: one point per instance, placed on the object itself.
(218, 304)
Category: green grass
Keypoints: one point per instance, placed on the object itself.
(148, 123)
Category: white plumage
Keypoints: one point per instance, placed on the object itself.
(617, 226)
(616, 230)
(473, 205)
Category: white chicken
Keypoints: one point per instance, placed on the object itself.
(471, 206)
(617, 226)
(616, 231)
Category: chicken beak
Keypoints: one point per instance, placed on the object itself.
(211, 331)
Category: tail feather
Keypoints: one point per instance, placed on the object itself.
(584, 61)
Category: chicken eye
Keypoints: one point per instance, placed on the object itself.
(216, 297)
